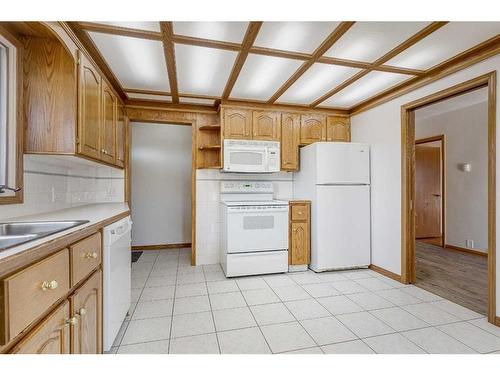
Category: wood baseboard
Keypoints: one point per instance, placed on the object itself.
(497, 321)
(384, 272)
(465, 250)
(166, 246)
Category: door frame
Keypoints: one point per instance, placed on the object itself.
(408, 274)
(442, 139)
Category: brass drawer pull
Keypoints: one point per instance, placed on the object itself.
(91, 255)
(49, 285)
(71, 321)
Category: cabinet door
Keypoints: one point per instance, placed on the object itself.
(266, 125)
(290, 138)
(312, 129)
(89, 109)
(51, 336)
(338, 129)
(86, 307)
(108, 130)
(120, 137)
(300, 243)
(237, 123)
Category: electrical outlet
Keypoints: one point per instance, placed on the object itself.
(469, 244)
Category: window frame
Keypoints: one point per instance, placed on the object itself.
(14, 121)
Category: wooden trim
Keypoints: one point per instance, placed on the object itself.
(474, 55)
(385, 272)
(162, 246)
(167, 31)
(408, 178)
(167, 93)
(119, 30)
(260, 105)
(210, 43)
(440, 138)
(320, 51)
(248, 40)
(465, 250)
(165, 106)
(496, 321)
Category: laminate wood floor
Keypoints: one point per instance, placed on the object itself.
(458, 277)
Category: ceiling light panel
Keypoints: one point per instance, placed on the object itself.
(142, 25)
(448, 41)
(141, 96)
(364, 88)
(137, 63)
(224, 31)
(367, 41)
(197, 101)
(262, 76)
(316, 81)
(202, 70)
(294, 36)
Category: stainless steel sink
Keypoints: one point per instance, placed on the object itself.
(17, 233)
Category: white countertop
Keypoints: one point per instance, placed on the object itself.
(95, 213)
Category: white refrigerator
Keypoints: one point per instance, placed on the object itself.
(335, 177)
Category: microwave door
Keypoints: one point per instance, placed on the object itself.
(245, 160)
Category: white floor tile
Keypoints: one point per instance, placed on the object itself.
(260, 296)
(152, 347)
(431, 314)
(363, 324)
(420, 293)
(153, 309)
(227, 300)
(291, 293)
(436, 342)
(457, 310)
(271, 314)
(192, 324)
(374, 283)
(358, 274)
(306, 277)
(121, 333)
(138, 282)
(188, 305)
(370, 301)
(339, 305)
(307, 309)
(201, 344)
(147, 330)
(399, 319)
(160, 281)
(278, 280)
(348, 287)
(190, 278)
(190, 290)
(225, 286)
(327, 330)
(251, 283)
(485, 325)
(287, 336)
(157, 293)
(472, 336)
(229, 319)
(243, 341)
(350, 347)
(393, 344)
(135, 294)
(328, 277)
(320, 290)
(313, 350)
(215, 276)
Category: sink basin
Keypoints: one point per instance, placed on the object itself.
(17, 233)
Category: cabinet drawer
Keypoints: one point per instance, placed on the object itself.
(29, 293)
(85, 257)
(300, 212)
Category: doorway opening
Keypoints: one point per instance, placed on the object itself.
(448, 195)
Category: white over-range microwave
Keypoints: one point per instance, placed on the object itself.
(251, 156)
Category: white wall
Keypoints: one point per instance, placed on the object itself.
(57, 182)
(466, 138)
(161, 184)
(208, 220)
(381, 127)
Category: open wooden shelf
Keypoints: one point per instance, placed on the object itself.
(209, 127)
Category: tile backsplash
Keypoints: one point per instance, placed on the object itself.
(56, 182)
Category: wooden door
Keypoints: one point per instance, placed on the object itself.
(338, 129)
(108, 130)
(428, 192)
(266, 125)
(237, 123)
(120, 137)
(51, 336)
(86, 307)
(290, 138)
(312, 129)
(89, 109)
(300, 243)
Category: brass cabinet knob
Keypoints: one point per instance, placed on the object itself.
(49, 285)
(91, 255)
(82, 311)
(71, 321)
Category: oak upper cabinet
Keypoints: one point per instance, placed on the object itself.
(89, 109)
(266, 125)
(87, 317)
(237, 123)
(290, 139)
(120, 137)
(338, 129)
(108, 124)
(312, 128)
(51, 336)
(299, 253)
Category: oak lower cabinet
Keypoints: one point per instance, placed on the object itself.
(86, 308)
(299, 248)
(51, 336)
(338, 129)
(290, 139)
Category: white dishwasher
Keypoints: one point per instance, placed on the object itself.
(117, 270)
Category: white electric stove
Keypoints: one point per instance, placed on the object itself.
(254, 236)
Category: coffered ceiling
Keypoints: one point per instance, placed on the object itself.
(313, 64)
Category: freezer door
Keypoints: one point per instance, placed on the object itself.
(340, 228)
(342, 163)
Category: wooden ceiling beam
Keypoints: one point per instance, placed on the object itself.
(320, 51)
(248, 40)
(119, 30)
(167, 31)
(210, 43)
(426, 31)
